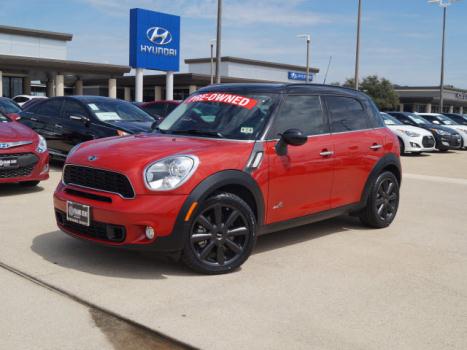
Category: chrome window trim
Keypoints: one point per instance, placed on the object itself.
(96, 189)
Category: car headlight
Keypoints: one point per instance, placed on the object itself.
(440, 132)
(42, 145)
(463, 130)
(169, 173)
(410, 133)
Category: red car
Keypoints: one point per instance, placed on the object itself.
(230, 163)
(23, 154)
(159, 109)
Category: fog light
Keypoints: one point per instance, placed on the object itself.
(149, 232)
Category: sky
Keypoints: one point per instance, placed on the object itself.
(401, 39)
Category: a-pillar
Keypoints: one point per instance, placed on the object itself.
(127, 93)
(1, 83)
(451, 109)
(78, 87)
(192, 88)
(113, 88)
(27, 85)
(169, 86)
(157, 93)
(59, 85)
(428, 108)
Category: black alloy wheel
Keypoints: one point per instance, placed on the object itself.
(383, 201)
(221, 236)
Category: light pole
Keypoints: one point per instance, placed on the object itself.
(357, 50)
(212, 60)
(308, 41)
(444, 5)
(218, 41)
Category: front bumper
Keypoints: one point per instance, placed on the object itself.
(420, 144)
(448, 142)
(130, 216)
(32, 167)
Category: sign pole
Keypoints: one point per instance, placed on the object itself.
(218, 41)
(169, 86)
(139, 85)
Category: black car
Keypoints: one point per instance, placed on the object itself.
(446, 138)
(68, 121)
(458, 118)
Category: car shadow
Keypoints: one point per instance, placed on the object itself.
(14, 189)
(58, 248)
(416, 155)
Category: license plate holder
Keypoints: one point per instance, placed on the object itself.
(9, 163)
(78, 213)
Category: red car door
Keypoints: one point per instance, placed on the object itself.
(300, 182)
(357, 146)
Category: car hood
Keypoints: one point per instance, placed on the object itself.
(131, 127)
(438, 127)
(14, 131)
(415, 129)
(130, 155)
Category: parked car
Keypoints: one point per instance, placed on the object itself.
(68, 121)
(231, 162)
(22, 99)
(458, 118)
(445, 138)
(159, 109)
(441, 119)
(412, 139)
(23, 154)
(30, 103)
(9, 108)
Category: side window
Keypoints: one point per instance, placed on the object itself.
(71, 107)
(156, 109)
(301, 112)
(375, 119)
(50, 108)
(347, 114)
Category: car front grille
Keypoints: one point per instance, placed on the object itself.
(26, 164)
(456, 141)
(98, 179)
(428, 141)
(96, 229)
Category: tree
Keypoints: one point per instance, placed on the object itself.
(380, 89)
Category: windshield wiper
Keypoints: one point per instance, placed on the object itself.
(197, 132)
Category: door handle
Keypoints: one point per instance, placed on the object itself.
(33, 119)
(326, 153)
(59, 126)
(376, 147)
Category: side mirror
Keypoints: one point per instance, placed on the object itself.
(80, 118)
(292, 137)
(436, 122)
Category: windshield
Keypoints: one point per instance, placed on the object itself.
(459, 119)
(417, 119)
(115, 111)
(7, 107)
(389, 119)
(446, 120)
(222, 115)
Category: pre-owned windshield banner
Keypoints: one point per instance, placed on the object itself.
(237, 100)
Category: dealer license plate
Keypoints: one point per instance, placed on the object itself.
(8, 163)
(78, 213)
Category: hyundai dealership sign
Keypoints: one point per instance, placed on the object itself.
(154, 40)
(299, 76)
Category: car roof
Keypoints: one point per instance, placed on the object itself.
(87, 99)
(284, 88)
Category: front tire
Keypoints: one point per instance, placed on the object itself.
(221, 235)
(382, 203)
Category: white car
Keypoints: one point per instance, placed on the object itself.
(22, 99)
(441, 119)
(412, 139)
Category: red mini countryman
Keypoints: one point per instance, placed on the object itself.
(229, 163)
(23, 154)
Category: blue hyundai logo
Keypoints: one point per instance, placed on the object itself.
(159, 35)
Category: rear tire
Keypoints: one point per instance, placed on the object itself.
(382, 203)
(221, 235)
(29, 183)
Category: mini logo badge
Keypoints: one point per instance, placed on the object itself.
(4, 145)
(159, 35)
(92, 158)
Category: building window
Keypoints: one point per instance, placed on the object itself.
(12, 86)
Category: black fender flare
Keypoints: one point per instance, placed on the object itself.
(388, 160)
(175, 241)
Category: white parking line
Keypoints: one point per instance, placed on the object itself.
(442, 179)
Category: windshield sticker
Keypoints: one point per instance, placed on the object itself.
(246, 130)
(236, 100)
(93, 107)
(104, 116)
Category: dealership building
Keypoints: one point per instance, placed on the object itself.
(36, 62)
